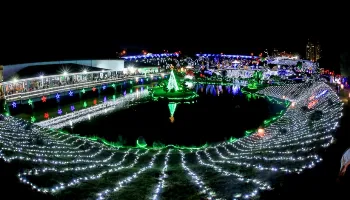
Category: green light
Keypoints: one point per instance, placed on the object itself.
(172, 84)
(85, 104)
(172, 108)
(32, 119)
(113, 85)
(114, 97)
(232, 139)
(30, 102)
(130, 90)
(130, 82)
(83, 90)
(141, 143)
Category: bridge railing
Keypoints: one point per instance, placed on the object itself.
(77, 86)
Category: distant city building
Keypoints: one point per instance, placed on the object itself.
(285, 54)
(313, 50)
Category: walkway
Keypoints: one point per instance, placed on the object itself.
(77, 86)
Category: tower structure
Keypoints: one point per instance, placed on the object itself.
(313, 50)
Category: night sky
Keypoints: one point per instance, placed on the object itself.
(72, 34)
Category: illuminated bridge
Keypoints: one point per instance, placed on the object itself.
(87, 83)
(109, 73)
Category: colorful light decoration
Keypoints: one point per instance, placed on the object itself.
(85, 104)
(70, 93)
(94, 101)
(30, 102)
(83, 90)
(312, 103)
(93, 111)
(172, 108)
(46, 115)
(43, 99)
(104, 87)
(172, 84)
(93, 89)
(72, 108)
(261, 132)
(14, 104)
(57, 96)
(59, 112)
(32, 119)
(113, 85)
(275, 154)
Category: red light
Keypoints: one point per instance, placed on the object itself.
(46, 115)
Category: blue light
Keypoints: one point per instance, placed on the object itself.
(70, 93)
(104, 87)
(152, 56)
(57, 96)
(321, 94)
(14, 105)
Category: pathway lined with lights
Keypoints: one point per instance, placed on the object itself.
(71, 87)
(228, 170)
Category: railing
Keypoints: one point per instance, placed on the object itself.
(58, 89)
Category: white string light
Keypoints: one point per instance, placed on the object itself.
(288, 145)
(162, 178)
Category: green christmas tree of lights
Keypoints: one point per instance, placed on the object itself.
(172, 84)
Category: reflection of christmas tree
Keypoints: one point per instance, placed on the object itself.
(172, 82)
(172, 108)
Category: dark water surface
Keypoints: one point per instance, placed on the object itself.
(210, 118)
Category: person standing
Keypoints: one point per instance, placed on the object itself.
(345, 163)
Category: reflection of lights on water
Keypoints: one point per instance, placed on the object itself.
(188, 77)
(94, 111)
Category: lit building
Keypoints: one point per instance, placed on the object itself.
(313, 50)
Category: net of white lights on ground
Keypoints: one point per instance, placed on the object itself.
(265, 156)
(94, 111)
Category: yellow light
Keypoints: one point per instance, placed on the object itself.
(261, 132)
(293, 104)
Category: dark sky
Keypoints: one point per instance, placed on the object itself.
(73, 33)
